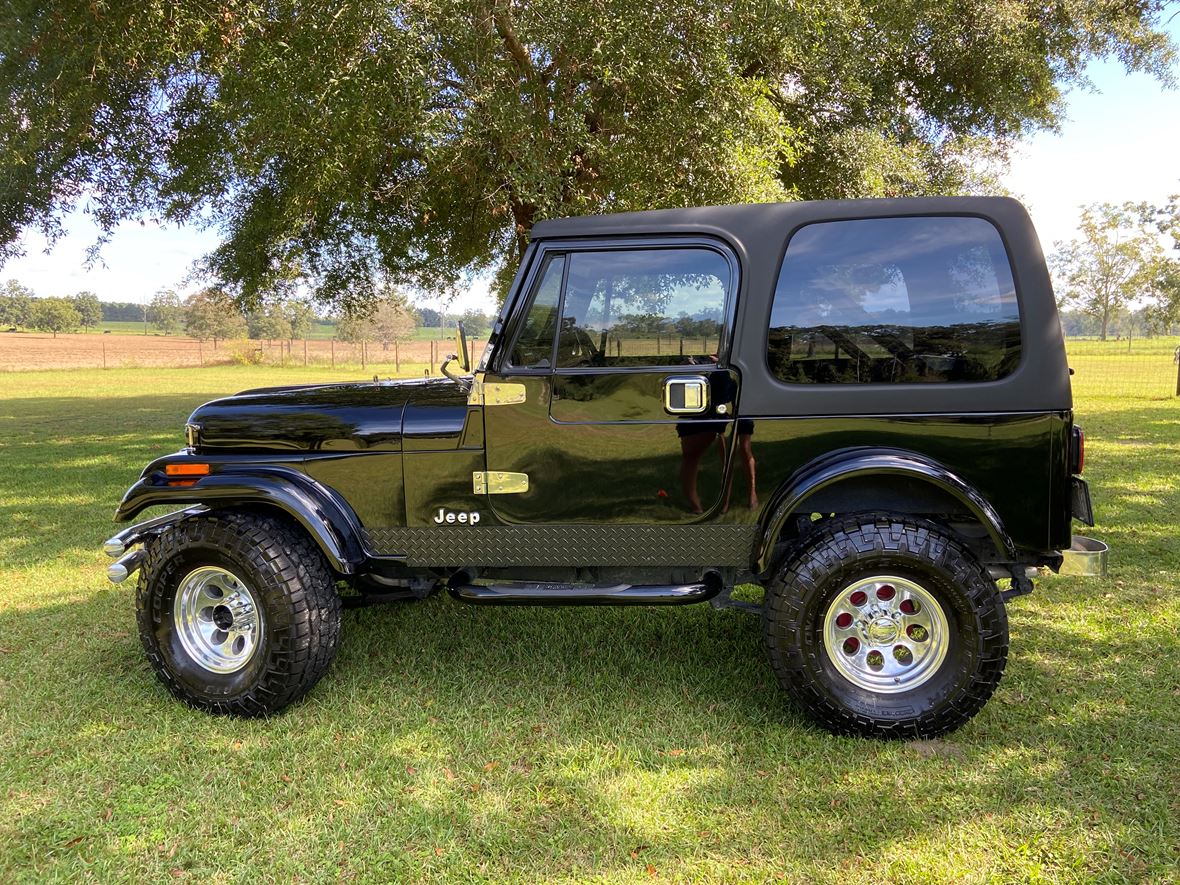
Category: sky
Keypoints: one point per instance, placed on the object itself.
(1119, 141)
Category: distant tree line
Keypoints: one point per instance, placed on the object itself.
(212, 314)
(19, 307)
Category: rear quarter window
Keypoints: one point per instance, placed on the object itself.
(894, 301)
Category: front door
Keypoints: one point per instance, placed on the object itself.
(611, 392)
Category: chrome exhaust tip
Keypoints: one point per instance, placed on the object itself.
(1085, 558)
(113, 547)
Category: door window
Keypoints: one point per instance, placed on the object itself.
(534, 344)
(643, 307)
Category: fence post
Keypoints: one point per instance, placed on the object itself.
(397, 360)
(305, 351)
(362, 353)
(200, 353)
(332, 341)
(104, 353)
(1178, 371)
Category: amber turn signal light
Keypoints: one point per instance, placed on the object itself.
(186, 469)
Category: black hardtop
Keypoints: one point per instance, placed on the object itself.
(759, 233)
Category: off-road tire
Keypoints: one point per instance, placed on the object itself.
(297, 603)
(838, 553)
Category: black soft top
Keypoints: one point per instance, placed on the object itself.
(758, 233)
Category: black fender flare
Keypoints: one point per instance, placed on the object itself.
(326, 518)
(864, 462)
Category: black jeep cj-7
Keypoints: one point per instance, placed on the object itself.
(862, 406)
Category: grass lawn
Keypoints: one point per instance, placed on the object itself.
(453, 743)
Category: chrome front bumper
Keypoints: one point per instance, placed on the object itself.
(119, 545)
(1086, 558)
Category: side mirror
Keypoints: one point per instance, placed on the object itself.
(462, 358)
(461, 354)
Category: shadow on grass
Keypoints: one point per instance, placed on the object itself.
(65, 462)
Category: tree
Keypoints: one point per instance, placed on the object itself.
(269, 323)
(1114, 262)
(1165, 312)
(300, 316)
(354, 328)
(392, 320)
(212, 314)
(416, 142)
(16, 304)
(475, 323)
(166, 312)
(89, 309)
(54, 315)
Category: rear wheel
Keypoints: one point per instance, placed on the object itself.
(238, 612)
(886, 626)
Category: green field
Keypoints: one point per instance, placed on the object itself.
(453, 743)
(318, 331)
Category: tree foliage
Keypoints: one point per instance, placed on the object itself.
(89, 309)
(54, 315)
(1116, 261)
(390, 319)
(16, 304)
(212, 314)
(166, 312)
(268, 322)
(356, 144)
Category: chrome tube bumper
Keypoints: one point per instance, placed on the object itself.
(1086, 557)
(117, 545)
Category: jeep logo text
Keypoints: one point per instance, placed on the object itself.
(446, 516)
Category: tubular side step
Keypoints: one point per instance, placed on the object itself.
(540, 593)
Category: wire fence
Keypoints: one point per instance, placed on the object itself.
(20, 352)
(1144, 368)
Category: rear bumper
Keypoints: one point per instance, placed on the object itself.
(1086, 557)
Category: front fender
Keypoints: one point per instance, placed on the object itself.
(329, 520)
(850, 464)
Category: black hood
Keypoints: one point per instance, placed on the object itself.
(358, 416)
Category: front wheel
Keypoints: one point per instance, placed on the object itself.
(886, 627)
(238, 612)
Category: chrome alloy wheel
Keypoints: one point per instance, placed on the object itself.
(217, 619)
(886, 634)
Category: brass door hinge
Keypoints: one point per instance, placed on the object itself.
(499, 482)
(494, 393)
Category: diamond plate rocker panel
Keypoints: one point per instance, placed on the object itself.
(566, 545)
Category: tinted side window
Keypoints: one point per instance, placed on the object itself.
(643, 307)
(894, 300)
(534, 343)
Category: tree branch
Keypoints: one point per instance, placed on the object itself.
(511, 42)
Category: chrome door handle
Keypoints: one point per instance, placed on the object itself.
(686, 394)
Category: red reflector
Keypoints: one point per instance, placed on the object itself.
(186, 469)
(1081, 450)
(182, 482)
